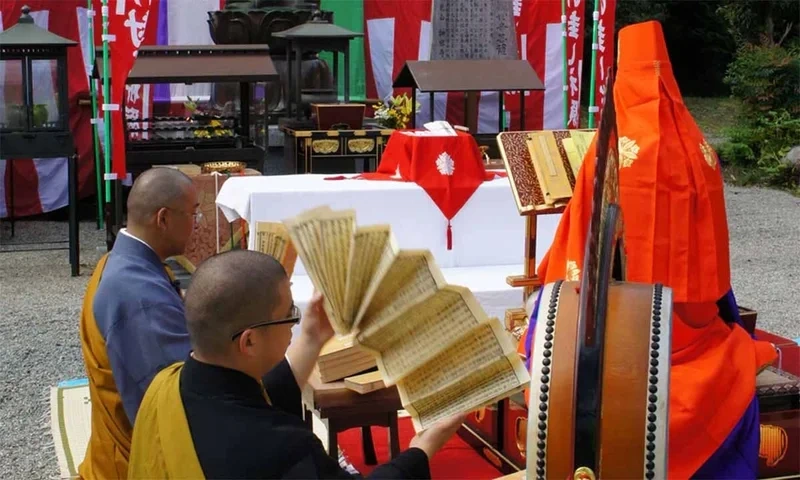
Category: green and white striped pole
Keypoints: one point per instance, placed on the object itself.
(98, 170)
(106, 100)
(593, 109)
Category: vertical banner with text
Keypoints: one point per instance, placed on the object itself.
(605, 54)
(128, 21)
(575, 28)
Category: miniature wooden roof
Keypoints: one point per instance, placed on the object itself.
(202, 63)
(317, 28)
(468, 76)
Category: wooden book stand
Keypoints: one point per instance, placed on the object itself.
(542, 166)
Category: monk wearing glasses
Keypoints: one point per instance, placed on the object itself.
(232, 409)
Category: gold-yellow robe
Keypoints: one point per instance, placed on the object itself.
(162, 443)
(110, 443)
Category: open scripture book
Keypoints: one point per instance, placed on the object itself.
(272, 238)
(431, 339)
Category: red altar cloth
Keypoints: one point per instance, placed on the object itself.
(449, 169)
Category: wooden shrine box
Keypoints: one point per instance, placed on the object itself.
(339, 116)
(515, 430)
(482, 430)
(308, 149)
(233, 130)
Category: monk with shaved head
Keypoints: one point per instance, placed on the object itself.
(232, 409)
(133, 321)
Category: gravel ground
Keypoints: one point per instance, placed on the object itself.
(40, 304)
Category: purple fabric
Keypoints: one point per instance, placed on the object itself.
(729, 309)
(737, 457)
(531, 328)
(161, 90)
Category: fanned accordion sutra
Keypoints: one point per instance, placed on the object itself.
(431, 339)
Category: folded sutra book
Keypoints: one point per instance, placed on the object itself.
(431, 339)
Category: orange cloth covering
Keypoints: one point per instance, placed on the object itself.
(109, 447)
(676, 233)
(110, 443)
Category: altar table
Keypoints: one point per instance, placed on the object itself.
(488, 231)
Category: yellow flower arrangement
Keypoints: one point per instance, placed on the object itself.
(217, 132)
(396, 113)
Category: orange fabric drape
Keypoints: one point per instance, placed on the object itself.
(676, 233)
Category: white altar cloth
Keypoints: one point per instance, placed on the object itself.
(487, 231)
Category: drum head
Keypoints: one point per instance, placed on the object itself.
(635, 384)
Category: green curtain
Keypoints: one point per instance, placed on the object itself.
(349, 14)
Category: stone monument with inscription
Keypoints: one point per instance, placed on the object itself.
(473, 30)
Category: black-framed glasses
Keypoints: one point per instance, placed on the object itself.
(293, 318)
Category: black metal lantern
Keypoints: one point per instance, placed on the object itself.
(34, 118)
(317, 35)
(34, 112)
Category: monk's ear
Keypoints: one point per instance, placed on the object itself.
(161, 217)
(245, 341)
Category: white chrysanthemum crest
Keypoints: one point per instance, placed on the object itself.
(445, 164)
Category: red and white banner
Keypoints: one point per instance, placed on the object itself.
(605, 54)
(396, 31)
(127, 21)
(575, 29)
(540, 42)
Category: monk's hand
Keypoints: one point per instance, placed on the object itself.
(434, 437)
(315, 331)
(315, 325)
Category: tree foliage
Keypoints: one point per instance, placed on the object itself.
(698, 40)
(763, 22)
(766, 78)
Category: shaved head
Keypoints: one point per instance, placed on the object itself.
(230, 292)
(154, 189)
